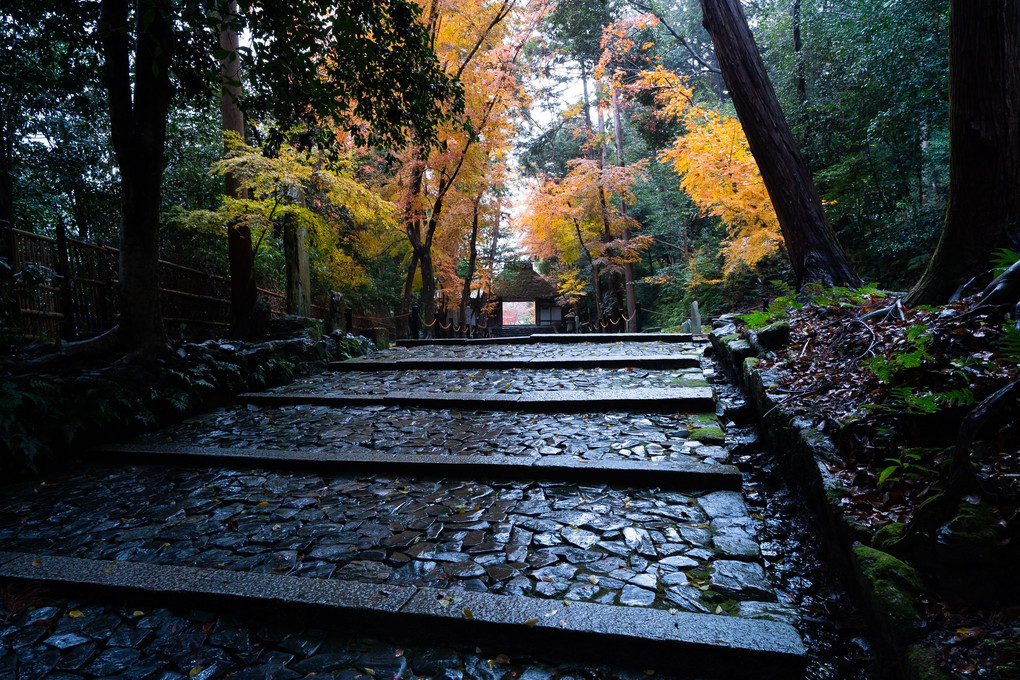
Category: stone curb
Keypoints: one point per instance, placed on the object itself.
(806, 456)
(670, 400)
(722, 646)
(356, 459)
(660, 362)
(557, 338)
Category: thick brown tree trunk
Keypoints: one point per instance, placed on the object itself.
(138, 115)
(240, 251)
(815, 254)
(984, 156)
(299, 289)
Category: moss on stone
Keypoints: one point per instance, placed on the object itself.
(888, 536)
(727, 339)
(974, 525)
(893, 583)
(924, 663)
(694, 382)
(750, 363)
(708, 435)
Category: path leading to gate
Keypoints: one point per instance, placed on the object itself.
(565, 497)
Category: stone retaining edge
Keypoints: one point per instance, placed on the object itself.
(805, 465)
(702, 643)
(558, 338)
(357, 459)
(672, 400)
(659, 362)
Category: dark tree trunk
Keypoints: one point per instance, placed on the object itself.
(465, 293)
(815, 254)
(984, 157)
(240, 250)
(138, 117)
(299, 289)
(7, 245)
(628, 267)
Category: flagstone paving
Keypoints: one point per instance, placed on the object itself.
(549, 350)
(415, 431)
(614, 552)
(486, 381)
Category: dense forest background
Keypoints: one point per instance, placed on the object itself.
(596, 136)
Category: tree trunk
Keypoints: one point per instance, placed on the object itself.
(299, 293)
(465, 293)
(815, 254)
(628, 267)
(984, 158)
(428, 285)
(240, 251)
(138, 116)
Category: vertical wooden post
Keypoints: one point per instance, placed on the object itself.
(415, 323)
(68, 328)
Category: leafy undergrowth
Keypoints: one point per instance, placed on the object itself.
(893, 389)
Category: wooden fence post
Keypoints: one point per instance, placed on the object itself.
(68, 328)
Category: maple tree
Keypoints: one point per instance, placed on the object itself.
(477, 44)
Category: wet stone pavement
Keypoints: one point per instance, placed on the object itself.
(488, 381)
(44, 636)
(635, 548)
(395, 429)
(538, 350)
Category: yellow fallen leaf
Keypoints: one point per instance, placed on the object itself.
(194, 671)
(138, 612)
(75, 614)
(531, 623)
(468, 614)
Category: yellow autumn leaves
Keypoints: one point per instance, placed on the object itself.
(718, 172)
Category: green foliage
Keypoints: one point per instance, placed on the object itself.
(1009, 344)
(910, 464)
(840, 296)
(1004, 258)
(888, 367)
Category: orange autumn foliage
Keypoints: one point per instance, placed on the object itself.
(718, 172)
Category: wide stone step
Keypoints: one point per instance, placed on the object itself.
(558, 338)
(678, 399)
(712, 645)
(664, 361)
(357, 459)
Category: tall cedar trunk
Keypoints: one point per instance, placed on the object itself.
(138, 130)
(465, 293)
(815, 254)
(984, 158)
(628, 267)
(299, 290)
(241, 252)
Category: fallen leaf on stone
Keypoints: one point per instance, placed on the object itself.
(594, 580)
(136, 613)
(531, 623)
(966, 634)
(36, 563)
(194, 671)
(468, 614)
(75, 614)
(502, 659)
(399, 652)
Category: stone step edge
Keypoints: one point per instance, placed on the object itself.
(723, 646)
(664, 474)
(558, 338)
(676, 399)
(659, 362)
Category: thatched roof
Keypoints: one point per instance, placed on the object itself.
(519, 282)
